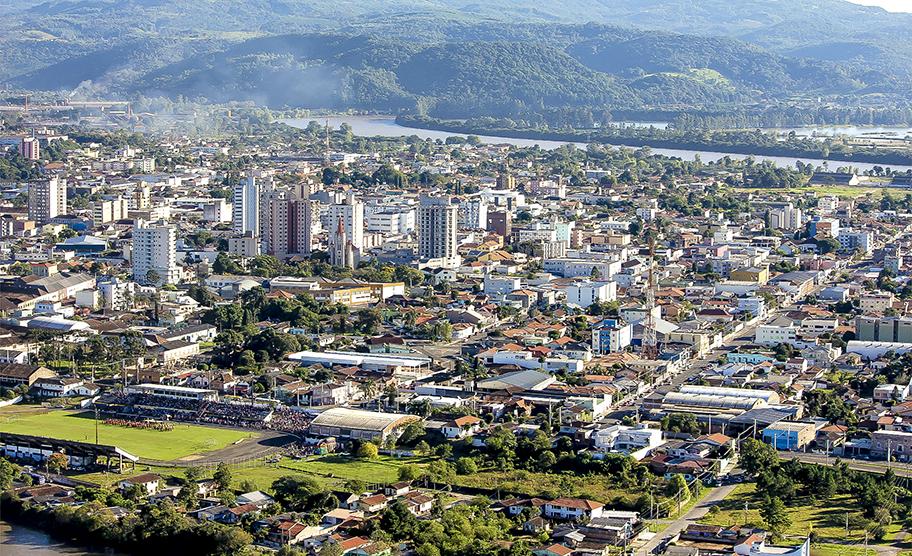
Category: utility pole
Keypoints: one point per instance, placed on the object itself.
(745, 514)
(847, 525)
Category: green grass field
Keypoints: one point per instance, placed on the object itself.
(162, 445)
(826, 517)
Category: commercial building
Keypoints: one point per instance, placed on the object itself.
(155, 249)
(586, 293)
(883, 329)
(789, 435)
(46, 199)
(110, 210)
(611, 335)
(246, 217)
(392, 222)
(501, 223)
(437, 218)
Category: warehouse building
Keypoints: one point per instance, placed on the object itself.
(354, 423)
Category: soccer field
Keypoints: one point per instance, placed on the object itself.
(162, 445)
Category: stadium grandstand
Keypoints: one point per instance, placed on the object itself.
(25, 448)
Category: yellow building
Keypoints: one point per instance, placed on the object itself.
(756, 274)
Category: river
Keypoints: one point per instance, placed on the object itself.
(16, 540)
(386, 126)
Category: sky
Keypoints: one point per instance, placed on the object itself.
(889, 5)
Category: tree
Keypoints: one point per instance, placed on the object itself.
(56, 461)
(409, 472)
(412, 431)
(675, 485)
(222, 477)
(152, 277)
(466, 466)
(20, 268)
(195, 473)
(368, 450)
(293, 491)
(774, 514)
(398, 521)
(757, 456)
(828, 245)
(8, 473)
(422, 448)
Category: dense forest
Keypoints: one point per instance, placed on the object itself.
(696, 82)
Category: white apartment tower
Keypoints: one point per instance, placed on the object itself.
(351, 215)
(246, 216)
(155, 248)
(437, 218)
(47, 199)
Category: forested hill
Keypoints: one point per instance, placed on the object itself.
(598, 68)
(42, 33)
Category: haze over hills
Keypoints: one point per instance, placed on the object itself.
(462, 58)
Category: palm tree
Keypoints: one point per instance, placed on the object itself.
(368, 389)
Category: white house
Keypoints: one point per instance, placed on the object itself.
(573, 509)
(148, 481)
(461, 427)
(618, 438)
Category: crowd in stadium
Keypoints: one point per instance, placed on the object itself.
(163, 408)
(153, 425)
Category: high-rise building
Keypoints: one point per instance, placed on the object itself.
(247, 206)
(473, 213)
(505, 182)
(47, 199)
(437, 218)
(351, 215)
(28, 148)
(109, 210)
(501, 223)
(290, 226)
(155, 248)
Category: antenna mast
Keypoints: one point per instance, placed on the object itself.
(326, 151)
(650, 343)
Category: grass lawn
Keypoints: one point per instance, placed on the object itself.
(840, 550)
(827, 517)
(384, 469)
(163, 445)
(876, 189)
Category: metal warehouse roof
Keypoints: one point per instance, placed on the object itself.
(344, 418)
(527, 380)
(704, 400)
(343, 358)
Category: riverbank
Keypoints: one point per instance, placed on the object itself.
(735, 142)
(19, 540)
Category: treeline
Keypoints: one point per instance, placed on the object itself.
(157, 529)
(739, 142)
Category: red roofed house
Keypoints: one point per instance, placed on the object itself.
(461, 427)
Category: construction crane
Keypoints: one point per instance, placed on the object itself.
(650, 342)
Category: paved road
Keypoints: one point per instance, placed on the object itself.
(901, 469)
(692, 516)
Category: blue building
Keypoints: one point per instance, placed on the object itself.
(789, 435)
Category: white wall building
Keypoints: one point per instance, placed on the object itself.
(246, 208)
(586, 293)
(155, 248)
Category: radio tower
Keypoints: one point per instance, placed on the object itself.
(650, 343)
(326, 150)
